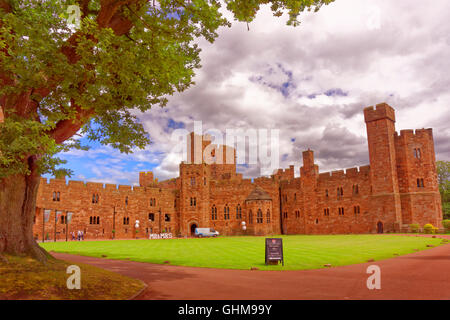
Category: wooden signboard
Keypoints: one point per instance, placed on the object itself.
(274, 250)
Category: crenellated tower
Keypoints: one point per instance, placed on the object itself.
(385, 207)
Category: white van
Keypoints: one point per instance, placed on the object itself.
(206, 232)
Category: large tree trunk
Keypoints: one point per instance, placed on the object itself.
(17, 209)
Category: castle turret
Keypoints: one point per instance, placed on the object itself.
(380, 122)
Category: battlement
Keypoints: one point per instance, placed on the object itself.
(350, 173)
(410, 133)
(379, 112)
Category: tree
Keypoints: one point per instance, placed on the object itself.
(59, 80)
(443, 172)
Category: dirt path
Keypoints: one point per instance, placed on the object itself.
(420, 275)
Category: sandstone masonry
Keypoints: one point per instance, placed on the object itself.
(398, 188)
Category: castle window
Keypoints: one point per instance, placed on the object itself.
(167, 217)
(341, 211)
(214, 213)
(250, 217)
(326, 212)
(152, 202)
(259, 216)
(126, 221)
(326, 193)
(204, 181)
(238, 212)
(420, 183)
(295, 196)
(268, 216)
(98, 220)
(317, 221)
(193, 202)
(56, 196)
(151, 217)
(340, 193)
(285, 215)
(417, 153)
(355, 189)
(357, 210)
(90, 220)
(297, 214)
(63, 220)
(126, 201)
(226, 212)
(192, 181)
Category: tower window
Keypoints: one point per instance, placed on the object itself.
(151, 217)
(420, 183)
(268, 216)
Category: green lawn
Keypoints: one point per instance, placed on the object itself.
(300, 252)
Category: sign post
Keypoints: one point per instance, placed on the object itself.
(274, 250)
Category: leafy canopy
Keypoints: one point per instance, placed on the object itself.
(58, 80)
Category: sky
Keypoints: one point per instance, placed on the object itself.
(310, 82)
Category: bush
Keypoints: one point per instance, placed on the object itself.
(429, 228)
(414, 228)
(446, 224)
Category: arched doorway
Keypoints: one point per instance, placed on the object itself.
(193, 227)
(380, 227)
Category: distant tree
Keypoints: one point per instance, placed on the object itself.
(443, 172)
(57, 80)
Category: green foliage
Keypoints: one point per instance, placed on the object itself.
(414, 228)
(429, 228)
(95, 80)
(446, 224)
(443, 173)
(446, 210)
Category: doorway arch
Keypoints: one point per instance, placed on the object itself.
(192, 229)
(380, 227)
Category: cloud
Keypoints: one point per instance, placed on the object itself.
(312, 83)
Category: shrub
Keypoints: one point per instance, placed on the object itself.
(446, 224)
(414, 227)
(429, 228)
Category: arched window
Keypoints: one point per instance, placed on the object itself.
(126, 200)
(214, 212)
(259, 216)
(90, 220)
(226, 212)
(238, 212)
(268, 216)
(98, 220)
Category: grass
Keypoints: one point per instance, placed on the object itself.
(300, 251)
(26, 279)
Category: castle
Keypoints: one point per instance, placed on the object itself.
(398, 188)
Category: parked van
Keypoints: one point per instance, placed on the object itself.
(206, 232)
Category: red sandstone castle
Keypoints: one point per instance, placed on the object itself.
(398, 188)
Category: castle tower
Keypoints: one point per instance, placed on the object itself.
(309, 174)
(419, 188)
(385, 197)
(146, 179)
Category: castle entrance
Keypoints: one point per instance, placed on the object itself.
(193, 227)
(380, 227)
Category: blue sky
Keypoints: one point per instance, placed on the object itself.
(310, 82)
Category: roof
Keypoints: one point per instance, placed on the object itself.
(258, 194)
